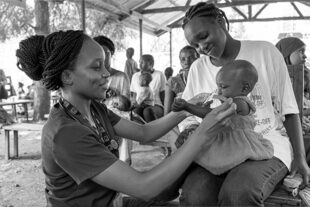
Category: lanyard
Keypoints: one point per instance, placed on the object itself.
(103, 136)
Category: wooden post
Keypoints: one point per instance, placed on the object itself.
(7, 144)
(41, 95)
(15, 143)
(140, 31)
(170, 35)
(83, 15)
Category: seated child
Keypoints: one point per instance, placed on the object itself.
(237, 142)
(146, 96)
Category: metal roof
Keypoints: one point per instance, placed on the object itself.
(160, 16)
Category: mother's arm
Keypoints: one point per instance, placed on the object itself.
(294, 132)
(150, 131)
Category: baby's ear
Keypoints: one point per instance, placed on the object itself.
(246, 88)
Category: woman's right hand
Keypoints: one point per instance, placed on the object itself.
(217, 118)
(179, 105)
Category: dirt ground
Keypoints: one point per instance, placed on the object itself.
(22, 179)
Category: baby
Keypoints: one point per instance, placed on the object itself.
(237, 142)
(119, 102)
(146, 96)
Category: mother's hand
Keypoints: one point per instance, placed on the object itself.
(217, 118)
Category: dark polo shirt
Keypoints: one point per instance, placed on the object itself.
(71, 155)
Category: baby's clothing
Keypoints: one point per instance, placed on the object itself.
(146, 96)
(234, 144)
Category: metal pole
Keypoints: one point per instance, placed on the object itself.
(83, 14)
(170, 34)
(140, 31)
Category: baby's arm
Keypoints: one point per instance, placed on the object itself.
(243, 107)
(197, 110)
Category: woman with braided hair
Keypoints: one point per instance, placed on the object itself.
(249, 184)
(80, 139)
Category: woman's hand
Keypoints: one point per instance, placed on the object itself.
(179, 105)
(300, 165)
(217, 118)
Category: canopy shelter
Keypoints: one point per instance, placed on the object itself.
(157, 17)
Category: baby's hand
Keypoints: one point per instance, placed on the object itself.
(220, 97)
(179, 105)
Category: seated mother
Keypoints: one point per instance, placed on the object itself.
(207, 29)
(79, 141)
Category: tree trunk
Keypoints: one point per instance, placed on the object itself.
(42, 96)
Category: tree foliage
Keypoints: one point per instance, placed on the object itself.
(15, 21)
(67, 15)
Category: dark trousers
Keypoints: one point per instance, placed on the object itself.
(248, 184)
(149, 113)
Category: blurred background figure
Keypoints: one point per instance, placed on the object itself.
(131, 65)
(30, 92)
(21, 94)
(168, 72)
(3, 81)
(118, 82)
(176, 85)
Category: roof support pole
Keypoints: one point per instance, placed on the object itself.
(83, 14)
(140, 32)
(170, 52)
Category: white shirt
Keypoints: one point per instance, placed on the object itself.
(273, 86)
(156, 85)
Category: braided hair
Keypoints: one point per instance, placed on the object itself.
(203, 9)
(45, 58)
(105, 41)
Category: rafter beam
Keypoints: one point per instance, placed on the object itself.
(144, 5)
(240, 12)
(270, 19)
(260, 11)
(250, 11)
(296, 9)
(220, 5)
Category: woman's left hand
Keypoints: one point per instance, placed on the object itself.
(299, 165)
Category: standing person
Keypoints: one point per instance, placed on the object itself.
(20, 91)
(131, 65)
(79, 140)
(157, 85)
(250, 183)
(176, 85)
(118, 82)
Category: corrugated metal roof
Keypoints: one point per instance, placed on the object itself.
(159, 16)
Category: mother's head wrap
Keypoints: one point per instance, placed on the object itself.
(289, 45)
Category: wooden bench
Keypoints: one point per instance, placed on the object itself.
(13, 104)
(16, 128)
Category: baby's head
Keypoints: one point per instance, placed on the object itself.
(145, 79)
(236, 78)
(119, 102)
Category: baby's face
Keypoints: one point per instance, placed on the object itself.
(228, 85)
(118, 103)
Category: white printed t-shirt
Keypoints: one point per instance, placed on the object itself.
(273, 86)
(156, 85)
